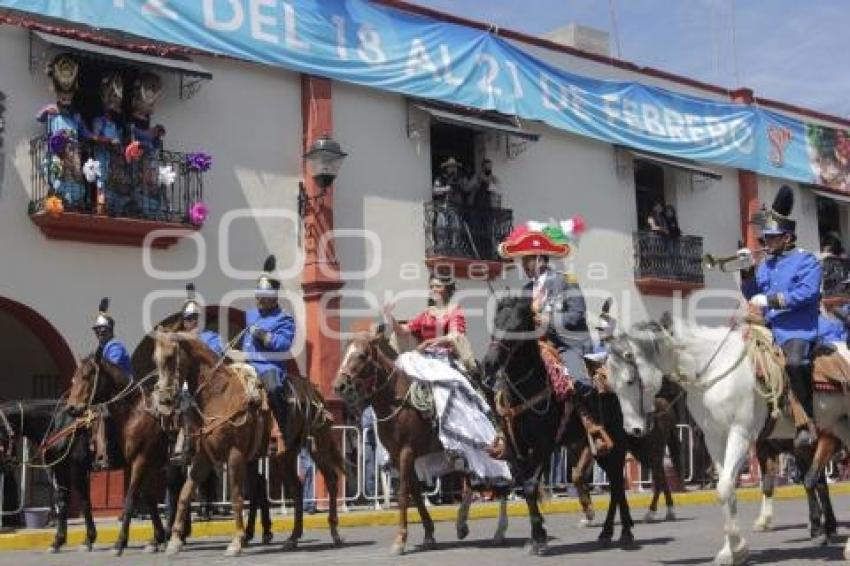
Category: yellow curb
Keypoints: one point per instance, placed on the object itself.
(140, 532)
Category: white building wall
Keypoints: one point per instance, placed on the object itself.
(248, 118)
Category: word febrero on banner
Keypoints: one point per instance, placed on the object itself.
(381, 47)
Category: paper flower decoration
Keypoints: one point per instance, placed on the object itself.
(91, 170)
(167, 175)
(198, 213)
(58, 142)
(199, 161)
(133, 151)
(54, 206)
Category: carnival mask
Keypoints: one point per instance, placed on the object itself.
(65, 72)
(112, 92)
(146, 91)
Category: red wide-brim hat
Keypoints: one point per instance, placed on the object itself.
(532, 243)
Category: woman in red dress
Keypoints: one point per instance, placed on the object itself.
(441, 358)
(437, 328)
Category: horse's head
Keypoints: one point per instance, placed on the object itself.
(637, 362)
(89, 384)
(357, 379)
(172, 362)
(513, 325)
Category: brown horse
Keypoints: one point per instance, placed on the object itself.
(308, 425)
(368, 375)
(138, 431)
(649, 451)
(233, 429)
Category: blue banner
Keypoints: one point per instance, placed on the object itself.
(389, 49)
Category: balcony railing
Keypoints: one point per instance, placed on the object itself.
(836, 271)
(132, 190)
(468, 232)
(668, 264)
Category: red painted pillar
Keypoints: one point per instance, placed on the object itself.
(320, 278)
(747, 185)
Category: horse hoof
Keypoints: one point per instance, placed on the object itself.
(174, 547)
(233, 549)
(248, 537)
(499, 540)
(428, 543)
(585, 523)
(53, 550)
(289, 544)
(397, 549)
(151, 548)
(118, 551)
(462, 531)
(605, 538)
(627, 539)
(762, 525)
(670, 516)
(85, 547)
(337, 540)
(267, 538)
(538, 548)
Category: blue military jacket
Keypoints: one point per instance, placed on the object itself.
(831, 330)
(791, 281)
(565, 306)
(264, 357)
(213, 341)
(116, 354)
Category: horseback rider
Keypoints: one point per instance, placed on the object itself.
(559, 306)
(444, 358)
(786, 286)
(190, 316)
(269, 332)
(111, 350)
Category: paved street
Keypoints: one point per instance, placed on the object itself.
(692, 539)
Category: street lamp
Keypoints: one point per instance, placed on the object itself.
(324, 158)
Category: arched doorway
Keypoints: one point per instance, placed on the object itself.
(35, 358)
(36, 363)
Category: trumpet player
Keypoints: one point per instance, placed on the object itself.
(786, 287)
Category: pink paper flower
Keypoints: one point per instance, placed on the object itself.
(198, 213)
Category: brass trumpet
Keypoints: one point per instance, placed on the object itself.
(730, 263)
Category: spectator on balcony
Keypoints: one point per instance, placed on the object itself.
(448, 195)
(672, 221)
(831, 247)
(107, 135)
(656, 221)
(64, 129)
(485, 186)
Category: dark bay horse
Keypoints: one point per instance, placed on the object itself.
(648, 450)
(533, 418)
(67, 458)
(139, 432)
(368, 375)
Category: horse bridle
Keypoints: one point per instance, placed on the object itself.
(371, 356)
(629, 359)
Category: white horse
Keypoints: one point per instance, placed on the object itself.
(713, 367)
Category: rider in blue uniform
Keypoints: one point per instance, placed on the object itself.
(111, 350)
(189, 322)
(269, 332)
(786, 286)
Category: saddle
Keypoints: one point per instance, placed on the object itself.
(831, 370)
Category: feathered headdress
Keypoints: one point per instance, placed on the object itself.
(103, 320)
(267, 284)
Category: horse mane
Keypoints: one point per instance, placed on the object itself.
(197, 349)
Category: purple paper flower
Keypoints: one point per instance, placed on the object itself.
(58, 141)
(199, 161)
(198, 213)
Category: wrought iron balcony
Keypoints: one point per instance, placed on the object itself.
(664, 265)
(461, 237)
(133, 201)
(836, 272)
